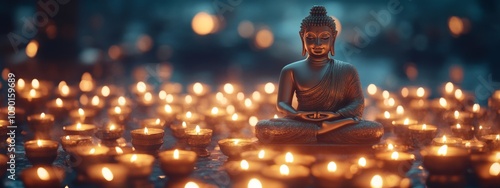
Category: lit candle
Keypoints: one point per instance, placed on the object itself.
(87, 83)
(262, 156)
(396, 162)
(64, 91)
(422, 135)
(489, 174)
(80, 129)
(70, 142)
(41, 151)
(108, 175)
(214, 116)
(168, 112)
(178, 130)
(292, 175)
(82, 115)
(465, 132)
(401, 129)
(389, 147)
(330, 173)
(147, 100)
(59, 107)
(239, 170)
(140, 88)
(295, 159)
(233, 147)
(459, 117)
(474, 146)
(492, 140)
(386, 119)
(121, 101)
(171, 87)
(199, 139)
(189, 117)
(198, 89)
(138, 165)
(119, 114)
(111, 131)
(147, 140)
(446, 140)
(42, 176)
(41, 125)
(153, 123)
(236, 122)
(445, 159)
(177, 163)
(258, 183)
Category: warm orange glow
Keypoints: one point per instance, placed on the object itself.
(81, 112)
(107, 174)
(458, 94)
(141, 87)
(476, 108)
(78, 126)
(162, 95)
(64, 90)
(256, 96)
(275, 116)
(197, 129)
(112, 127)
(248, 103)
(497, 137)
(443, 150)
(114, 52)
(362, 161)
(254, 183)
(219, 96)
(495, 169)
(191, 185)
(176, 154)
(148, 97)
(35, 84)
(133, 158)
(420, 92)
(456, 114)
(203, 23)
(229, 88)
(443, 102)
(391, 102)
(284, 170)
(261, 154)
(39, 143)
(92, 151)
(264, 38)
(386, 94)
(424, 127)
(105, 91)
(122, 101)
(405, 92)
(244, 165)
(95, 100)
(240, 96)
(372, 89)
(42, 115)
(67, 137)
(198, 88)
(390, 147)
(332, 167)
(234, 117)
(32, 48)
(189, 115)
(118, 110)
(458, 126)
(246, 29)
(253, 121)
(269, 88)
(168, 109)
(456, 26)
(169, 98)
(184, 124)
(377, 182)
(188, 99)
(144, 43)
(406, 121)
(42, 174)
(448, 88)
(288, 157)
(400, 110)
(118, 150)
(230, 109)
(443, 138)
(395, 155)
(387, 115)
(32, 93)
(215, 110)
(21, 84)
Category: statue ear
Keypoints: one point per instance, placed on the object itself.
(332, 49)
(303, 47)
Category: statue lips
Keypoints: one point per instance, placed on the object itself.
(318, 51)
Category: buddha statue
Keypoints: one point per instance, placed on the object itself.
(329, 95)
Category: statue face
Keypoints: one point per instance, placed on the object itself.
(318, 40)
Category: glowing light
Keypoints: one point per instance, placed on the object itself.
(458, 126)
(144, 43)
(168, 109)
(372, 89)
(395, 155)
(495, 169)
(197, 129)
(244, 165)
(122, 101)
(81, 112)
(248, 103)
(32, 48)
(456, 26)
(442, 150)
(42, 115)
(203, 23)
(253, 121)
(405, 92)
(92, 151)
(448, 88)
(476, 108)
(362, 162)
(377, 182)
(157, 121)
(184, 125)
(95, 100)
(146, 131)
(67, 137)
(118, 150)
(246, 29)
(35, 84)
(261, 154)
(39, 143)
(443, 102)
(32, 93)
(215, 110)
(176, 154)
(332, 167)
(269, 88)
(107, 174)
(387, 115)
(497, 137)
(400, 110)
(390, 147)
(114, 52)
(275, 116)
(112, 127)
(219, 96)
(391, 102)
(105, 91)
(256, 96)
(230, 109)
(284, 170)
(133, 158)
(456, 114)
(21, 84)
(169, 98)
(406, 121)
(288, 157)
(189, 115)
(198, 88)
(148, 97)
(162, 95)
(424, 127)
(240, 96)
(234, 117)
(64, 90)
(264, 38)
(42, 173)
(188, 99)
(141, 87)
(420, 92)
(78, 126)
(385, 94)
(229, 88)
(254, 183)
(443, 138)
(458, 94)
(191, 185)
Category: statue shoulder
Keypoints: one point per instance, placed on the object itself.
(346, 66)
(293, 66)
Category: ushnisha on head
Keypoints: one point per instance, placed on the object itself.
(318, 32)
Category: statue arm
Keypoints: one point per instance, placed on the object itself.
(354, 94)
(285, 92)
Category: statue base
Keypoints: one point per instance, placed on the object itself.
(320, 148)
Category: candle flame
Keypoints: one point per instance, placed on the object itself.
(254, 183)
(476, 108)
(458, 126)
(21, 83)
(269, 88)
(191, 185)
(497, 137)
(133, 158)
(35, 83)
(424, 127)
(95, 100)
(81, 112)
(458, 94)
(448, 88)
(385, 94)
(332, 166)
(141, 87)
(390, 147)
(42, 174)
(495, 169)
(234, 117)
(443, 102)
(67, 137)
(456, 114)
(197, 129)
(405, 92)
(122, 101)
(184, 124)
(105, 91)
(244, 165)
(157, 121)
(176, 154)
(253, 121)
(162, 94)
(215, 110)
(480, 127)
(230, 109)
(377, 182)
(248, 102)
(362, 162)
(118, 110)
(391, 102)
(42, 115)
(240, 96)
(59, 102)
(400, 110)
(228, 88)
(284, 170)
(92, 151)
(275, 116)
(288, 157)
(148, 97)
(497, 156)
(107, 174)
(372, 89)
(256, 96)
(406, 121)
(189, 114)
(118, 150)
(146, 130)
(78, 126)
(39, 143)
(444, 138)
(169, 98)
(443, 150)
(112, 127)
(467, 144)
(395, 155)
(387, 115)
(64, 90)
(261, 154)
(32, 93)
(168, 109)
(420, 92)
(198, 88)
(188, 99)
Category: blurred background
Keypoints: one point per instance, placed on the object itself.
(391, 42)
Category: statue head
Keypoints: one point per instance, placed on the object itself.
(318, 33)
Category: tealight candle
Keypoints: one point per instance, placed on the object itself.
(445, 160)
(146, 100)
(110, 131)
(492, 140)
(422, 135)
(189, 117)
(401, 129)
(168, 112)
(263, 156)
(258, 182)
(119, 114)
(214, 116)
(80, 129)
(42, 176)
(474, 146)
(116, 151)
(446, 140)
(65, 91)
(96, 104)
(386, 120)
(140, 88)
(153, 123)
(178, 130)
(122, 102)
(417, 93)
(69, 142)
(295, 159)
(41, 151)
(177, 163)
(108, 175)
(463, 131)
(82, 115)
(198, 89)
(442, 105)
(60, 107)
(389, 147)
(238, 170)
(489, 174)
(378, 179)
(41, 125)
(236, 122)
(147, 140)
(138, 165)
(331, 174)
(199, 139)
(459, 117)
(396, 162)
(85, 156)
(292, 175)
(233, 147)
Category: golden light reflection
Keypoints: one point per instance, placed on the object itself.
(390, 147)
(64, 90)
(289, 157)
(32, 93)
(122, 101)
(442, 150)
(118, 150)
(248, 103)
(42, 173)
(188, 99)
(203, 23)
(189, 114)
(176, 154)
(377, 182)
(405, 92)
(256, 96)
(261, 154)
(39, 143)
(458, 94)
(332, 166)
(254, 183)
(244, 165)
(21, 84)
(197, 129)
(148, 97)
(107, 174)
(284, 170)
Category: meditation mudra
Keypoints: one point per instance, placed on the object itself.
(328, 91)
